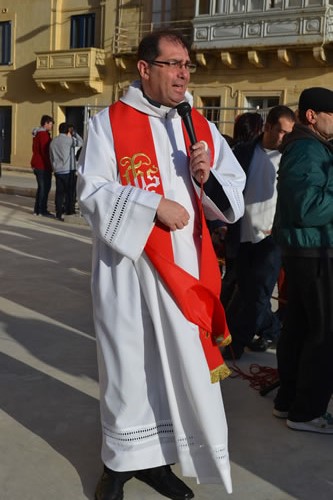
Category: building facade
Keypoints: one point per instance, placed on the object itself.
(70, 58)
(56, 59)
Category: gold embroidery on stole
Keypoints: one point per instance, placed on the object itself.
(139, 171)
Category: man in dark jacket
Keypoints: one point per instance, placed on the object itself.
(303, 227)
(258, 259)
(41, 164)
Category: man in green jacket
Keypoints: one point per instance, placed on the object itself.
(303, 227)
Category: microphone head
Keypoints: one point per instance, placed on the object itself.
(183, 109)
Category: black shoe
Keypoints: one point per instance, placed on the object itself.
(258, 345)
(47, 214)
(165, 482)
(231, 353)
(61, 219)
(111, 484)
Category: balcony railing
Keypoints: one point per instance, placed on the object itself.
(127, 39)
(260, 24)
(234, 7)
(69, 68)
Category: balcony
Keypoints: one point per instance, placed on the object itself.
(127, 39)
(70, 69)
(255, 26)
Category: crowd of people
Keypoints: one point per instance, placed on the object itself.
(58, 156)
(163, 325)
(257, 260)
(289, 209)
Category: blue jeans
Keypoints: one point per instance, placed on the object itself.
(257, 270)
(44, 179)
(62, 197)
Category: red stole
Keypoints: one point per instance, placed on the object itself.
(198, 299)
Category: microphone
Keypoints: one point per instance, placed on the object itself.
(184, 111)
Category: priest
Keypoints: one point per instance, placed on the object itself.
(146, 188)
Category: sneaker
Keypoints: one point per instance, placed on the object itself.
(279, 413)
(272, 343)
(322, 425)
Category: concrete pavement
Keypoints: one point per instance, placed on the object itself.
(22, 182)
(19, 181)
(49, 420)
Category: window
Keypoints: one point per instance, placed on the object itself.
(211, 109)
(203, 7)
(262, 103)
(274, 4)
(257, 102)
(292, 4)
(5, 42)
(82, 31)
(161, 12)
(237, 6)
(169, 12)
(256, 5)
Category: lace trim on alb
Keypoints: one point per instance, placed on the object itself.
(163, 433)
(219, 452)
(139, 435)
(117, 214)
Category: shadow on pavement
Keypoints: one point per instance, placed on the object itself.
(67, 419)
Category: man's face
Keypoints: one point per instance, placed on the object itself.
(163, 83)
(48, 126)
(274, 134)
(324, 124)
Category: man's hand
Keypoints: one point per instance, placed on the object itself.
(200, 161)
(172, 214)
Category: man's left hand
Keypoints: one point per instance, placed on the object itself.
(200, 162)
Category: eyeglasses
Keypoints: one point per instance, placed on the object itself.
(175, 64)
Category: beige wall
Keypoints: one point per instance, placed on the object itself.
(30, 30)
(44, 25)
(38, 26)
(275, 79)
